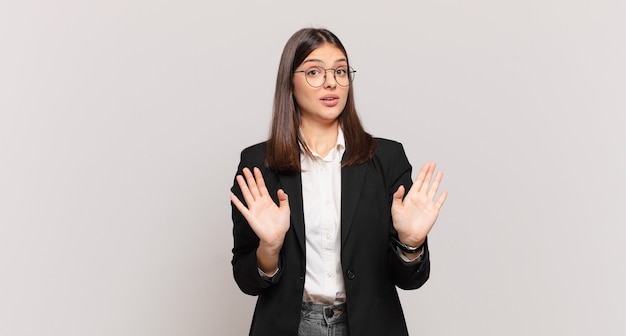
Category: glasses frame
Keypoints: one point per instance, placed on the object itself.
(351, 74)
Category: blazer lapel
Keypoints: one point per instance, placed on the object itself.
(352, 178)
(292, 186)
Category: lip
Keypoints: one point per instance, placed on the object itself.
(330, 100)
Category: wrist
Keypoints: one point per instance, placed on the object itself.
(406, 248)
(270, 249)
(411, 257)
(267, 258)
(415, 242)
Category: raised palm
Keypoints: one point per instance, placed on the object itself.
(269, 221)
(415, 214)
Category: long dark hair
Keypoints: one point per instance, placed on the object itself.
(283, 151)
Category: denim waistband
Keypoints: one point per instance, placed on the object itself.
(330, 313)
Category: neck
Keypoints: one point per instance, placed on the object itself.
(320, 139)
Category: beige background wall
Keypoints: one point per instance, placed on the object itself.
(121, 124)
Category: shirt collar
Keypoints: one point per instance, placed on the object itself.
(337, 151)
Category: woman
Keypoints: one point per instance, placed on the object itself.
(327, 221)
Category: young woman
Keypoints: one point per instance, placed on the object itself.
(327, 221)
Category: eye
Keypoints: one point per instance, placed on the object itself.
(341, 72)
(313, 72)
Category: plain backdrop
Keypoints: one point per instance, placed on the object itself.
(121, 124)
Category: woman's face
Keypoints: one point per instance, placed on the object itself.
(325, 103)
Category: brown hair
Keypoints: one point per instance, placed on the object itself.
(283, 151)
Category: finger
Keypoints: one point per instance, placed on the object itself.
(435, 186)
(260, 182)
(441, 199)
(239, 205)
(429, 177)
(254, 190)
(419, 180)
(245, 191)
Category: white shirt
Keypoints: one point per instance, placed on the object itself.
(321, 194)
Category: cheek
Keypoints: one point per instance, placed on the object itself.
(301, 95)
(344, 99)
(298, 98)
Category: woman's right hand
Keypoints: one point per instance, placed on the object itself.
(269, 221)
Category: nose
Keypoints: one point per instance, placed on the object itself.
(329, 81)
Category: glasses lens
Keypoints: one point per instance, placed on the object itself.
(315, 76)
(342, 76)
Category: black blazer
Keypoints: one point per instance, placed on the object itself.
(371, 267)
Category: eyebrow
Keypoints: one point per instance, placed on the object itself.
(320, 61)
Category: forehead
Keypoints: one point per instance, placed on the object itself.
(326, 53)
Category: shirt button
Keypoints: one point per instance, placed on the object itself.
(330, 275)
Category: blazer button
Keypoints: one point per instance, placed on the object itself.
(351, 275)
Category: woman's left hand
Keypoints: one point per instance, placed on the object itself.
(414, 216)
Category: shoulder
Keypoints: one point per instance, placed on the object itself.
(258, 148)
(387, 143)
(387, 148)
(253, 155)
(390, 156)
(391, 162)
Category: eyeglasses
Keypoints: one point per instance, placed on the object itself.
(316, 76)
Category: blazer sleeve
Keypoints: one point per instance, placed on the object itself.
(397, 171)
(245, 241)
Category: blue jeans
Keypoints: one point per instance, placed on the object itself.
(322, 320)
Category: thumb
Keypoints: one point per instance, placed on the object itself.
(283, 199)
(397, 196)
